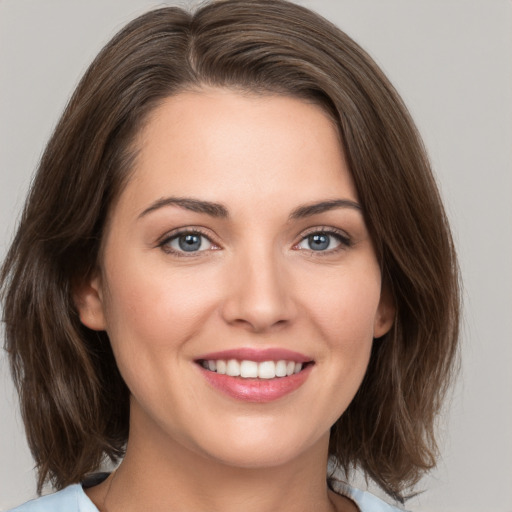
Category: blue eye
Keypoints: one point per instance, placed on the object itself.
(319, 242)
(323, 241)
(188, 242)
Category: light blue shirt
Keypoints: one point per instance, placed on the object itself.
(74, 499)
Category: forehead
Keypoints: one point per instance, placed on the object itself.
(230, 146)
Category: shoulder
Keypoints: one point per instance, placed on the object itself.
(365, 501)
(70, 499)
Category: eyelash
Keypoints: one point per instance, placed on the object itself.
(340, 236)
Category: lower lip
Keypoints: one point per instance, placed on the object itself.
(256, 390)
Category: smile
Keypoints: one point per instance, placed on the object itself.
(254, 375)
(252, 369)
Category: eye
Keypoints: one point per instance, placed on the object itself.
(187, 242)
(323, 241)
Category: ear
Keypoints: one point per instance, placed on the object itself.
(88, 297)
(385, 314)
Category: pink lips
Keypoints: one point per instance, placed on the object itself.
(252, 389)
(258, 355)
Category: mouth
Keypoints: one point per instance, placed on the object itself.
(255, 375)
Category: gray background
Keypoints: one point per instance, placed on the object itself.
(451, 61)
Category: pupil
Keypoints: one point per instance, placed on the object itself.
(319, 242)
(189, 242)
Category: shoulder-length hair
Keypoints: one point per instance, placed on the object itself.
(74, 402)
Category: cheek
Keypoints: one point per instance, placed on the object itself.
(345, 316)
(156, 297)
(343, 311)
(153, 315)
(344, 307)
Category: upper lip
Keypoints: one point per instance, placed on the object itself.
(258, 355)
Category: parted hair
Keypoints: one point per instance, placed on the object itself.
(74, 402)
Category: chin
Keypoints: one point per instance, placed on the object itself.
(258, 457)
(257, 448)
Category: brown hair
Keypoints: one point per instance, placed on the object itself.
(73, 399)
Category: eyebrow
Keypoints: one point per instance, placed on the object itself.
(308, 210)
(220, 211)
(195, 205)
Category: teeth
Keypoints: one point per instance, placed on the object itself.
(281, 369)
(233, 368)
(251, 369)
(248, 369)
(267, 370)
(221, 366)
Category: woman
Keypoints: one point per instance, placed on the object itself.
(233, 265)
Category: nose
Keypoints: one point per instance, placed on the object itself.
(260, 294)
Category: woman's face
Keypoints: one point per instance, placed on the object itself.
(238, 244)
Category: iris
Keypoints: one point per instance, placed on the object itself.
(319, 241)
(190, 242)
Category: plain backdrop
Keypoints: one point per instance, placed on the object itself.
(452, 62)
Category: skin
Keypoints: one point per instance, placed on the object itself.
(255, 282)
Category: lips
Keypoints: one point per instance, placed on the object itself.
(258, 355)
(254, 375)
